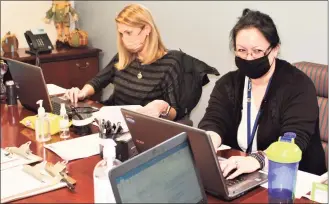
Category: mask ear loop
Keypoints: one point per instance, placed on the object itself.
(273, 61)
(269, 54)
(273, 57)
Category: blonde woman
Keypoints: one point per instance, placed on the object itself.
(143, 73)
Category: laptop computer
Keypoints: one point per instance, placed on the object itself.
(147, 132)
(32, 87)
(165, 173)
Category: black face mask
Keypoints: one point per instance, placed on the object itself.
(253, 68)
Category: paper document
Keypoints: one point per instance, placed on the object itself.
(223, 147)
(324, 178)
(16, 184)
(77, 148)
(114, 115)
(12, 160)
(320, 190)
(5, 158)
(55, 90)
(303, 183)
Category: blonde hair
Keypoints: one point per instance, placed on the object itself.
(136, 15)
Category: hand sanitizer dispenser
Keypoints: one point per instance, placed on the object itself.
(42, 124)
(102, 187)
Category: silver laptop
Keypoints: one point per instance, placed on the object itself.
(32, 87)
(147, 132)
(165, 173)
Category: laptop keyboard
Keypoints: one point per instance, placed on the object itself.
(237, 180)
(231, 182)
(57, 108)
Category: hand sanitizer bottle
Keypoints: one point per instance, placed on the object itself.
(102, 187)
(64, 123)
(42, 125)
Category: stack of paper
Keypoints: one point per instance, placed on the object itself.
(77, 148)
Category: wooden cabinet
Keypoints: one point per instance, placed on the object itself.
(81, 70)
(66, 68)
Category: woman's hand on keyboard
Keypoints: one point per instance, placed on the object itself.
(74, 94)
(241, 164)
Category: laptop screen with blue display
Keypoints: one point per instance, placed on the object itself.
(167, 178)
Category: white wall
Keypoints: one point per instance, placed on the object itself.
(19, 16)
(202, 30)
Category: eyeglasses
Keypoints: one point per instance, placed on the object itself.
(255, 53)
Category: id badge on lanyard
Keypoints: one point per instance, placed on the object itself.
(251, 134)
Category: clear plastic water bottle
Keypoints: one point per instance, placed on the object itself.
(284, 156)
(64, 123)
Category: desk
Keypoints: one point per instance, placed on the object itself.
(15, 134)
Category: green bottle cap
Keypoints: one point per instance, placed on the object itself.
(284, 150)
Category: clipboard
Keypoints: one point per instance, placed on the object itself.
(25, 181)
(15, 156)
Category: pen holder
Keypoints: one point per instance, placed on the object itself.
(107, 130)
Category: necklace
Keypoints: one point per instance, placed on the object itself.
(139, 75)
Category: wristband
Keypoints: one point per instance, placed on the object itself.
(260, 158)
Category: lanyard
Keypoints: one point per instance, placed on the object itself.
(251, 135)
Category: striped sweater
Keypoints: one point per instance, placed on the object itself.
(159, 81)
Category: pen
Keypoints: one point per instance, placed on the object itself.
(108, 124)
(103, 123)
(108, 127)
(103, 130)
(104, 133)
(98, 122)
(113, 127)
(110, 135)
(117, 131)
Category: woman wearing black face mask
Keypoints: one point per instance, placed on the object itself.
(266, 97)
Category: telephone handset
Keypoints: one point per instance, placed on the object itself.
(38, 43)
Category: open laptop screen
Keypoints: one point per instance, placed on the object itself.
(167, 178)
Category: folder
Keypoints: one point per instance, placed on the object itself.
(25, 181)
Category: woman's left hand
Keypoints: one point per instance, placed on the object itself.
(241, 164)
(154, 108)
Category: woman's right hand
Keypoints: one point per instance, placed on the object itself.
(75, 94)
